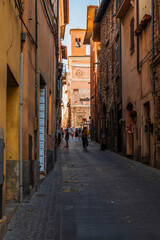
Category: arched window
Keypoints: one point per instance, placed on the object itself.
(78, 42)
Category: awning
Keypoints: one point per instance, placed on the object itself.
(66, 11)
(90, 19)
(64, 51)
(125, 5)
(63, 28)
(96, 29)
(101, 10)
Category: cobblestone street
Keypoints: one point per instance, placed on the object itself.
(91, 195)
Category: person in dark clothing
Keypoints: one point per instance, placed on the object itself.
(67, 137)
(59, 137)
(85, 138)
(76, 133)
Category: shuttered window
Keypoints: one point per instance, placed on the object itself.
(132, 35)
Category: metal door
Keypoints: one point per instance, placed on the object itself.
(42, 130)
(1, 172)
(31, 174)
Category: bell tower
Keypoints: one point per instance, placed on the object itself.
(77, 38)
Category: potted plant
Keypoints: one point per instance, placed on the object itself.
(129, 129)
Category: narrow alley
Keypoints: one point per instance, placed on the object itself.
(92, 195)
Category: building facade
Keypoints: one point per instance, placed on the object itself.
(32, 32)
(39, 91)
(137, 79)
(156, 75)
(124, 82)
(110, 104)
(10, 48)
(94, 69)
(79, 69)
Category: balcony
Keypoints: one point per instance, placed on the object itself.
(121, 7)
(143, 24)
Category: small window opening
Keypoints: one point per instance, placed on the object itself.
(78, 42)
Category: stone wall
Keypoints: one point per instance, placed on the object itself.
(109, 96)
(157, 78)
(12, 180)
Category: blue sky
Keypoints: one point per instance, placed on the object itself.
(77, 18)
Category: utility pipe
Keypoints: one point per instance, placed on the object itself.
(153, 77)
(20, 130)
(137, 16)
(36, 84)
(57, 59)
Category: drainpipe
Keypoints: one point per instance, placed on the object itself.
(20, 131)
(153, 76)
(137, 16)
(36, 84)
(120, 76)
(120, 60)
(153, 70)
(56, 97)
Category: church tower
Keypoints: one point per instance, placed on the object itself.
(79, 69)
(77, 38)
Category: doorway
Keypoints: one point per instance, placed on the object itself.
(119, 137)
(146, 132)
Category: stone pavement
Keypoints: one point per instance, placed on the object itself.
(91, 195)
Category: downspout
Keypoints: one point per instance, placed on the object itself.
(36, 84)
(137, 16)
(153, 76)
(20, 131)
(57, 58)
(120, 61)
(153, 70)
(120, 77)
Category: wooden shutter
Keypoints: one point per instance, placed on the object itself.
(132, 34)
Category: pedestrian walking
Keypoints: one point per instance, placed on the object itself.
(72, 134)
(85, 138)
(62, 131)
(79, 133)
(67, 137)
(59, 137)
(76, 134)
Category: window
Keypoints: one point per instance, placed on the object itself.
(132, 35)
(75, 90)
(78, 42)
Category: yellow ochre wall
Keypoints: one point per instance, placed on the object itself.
(10, 29)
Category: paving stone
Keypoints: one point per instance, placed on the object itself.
(91, 195)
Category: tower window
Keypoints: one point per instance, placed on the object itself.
(78, 42)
